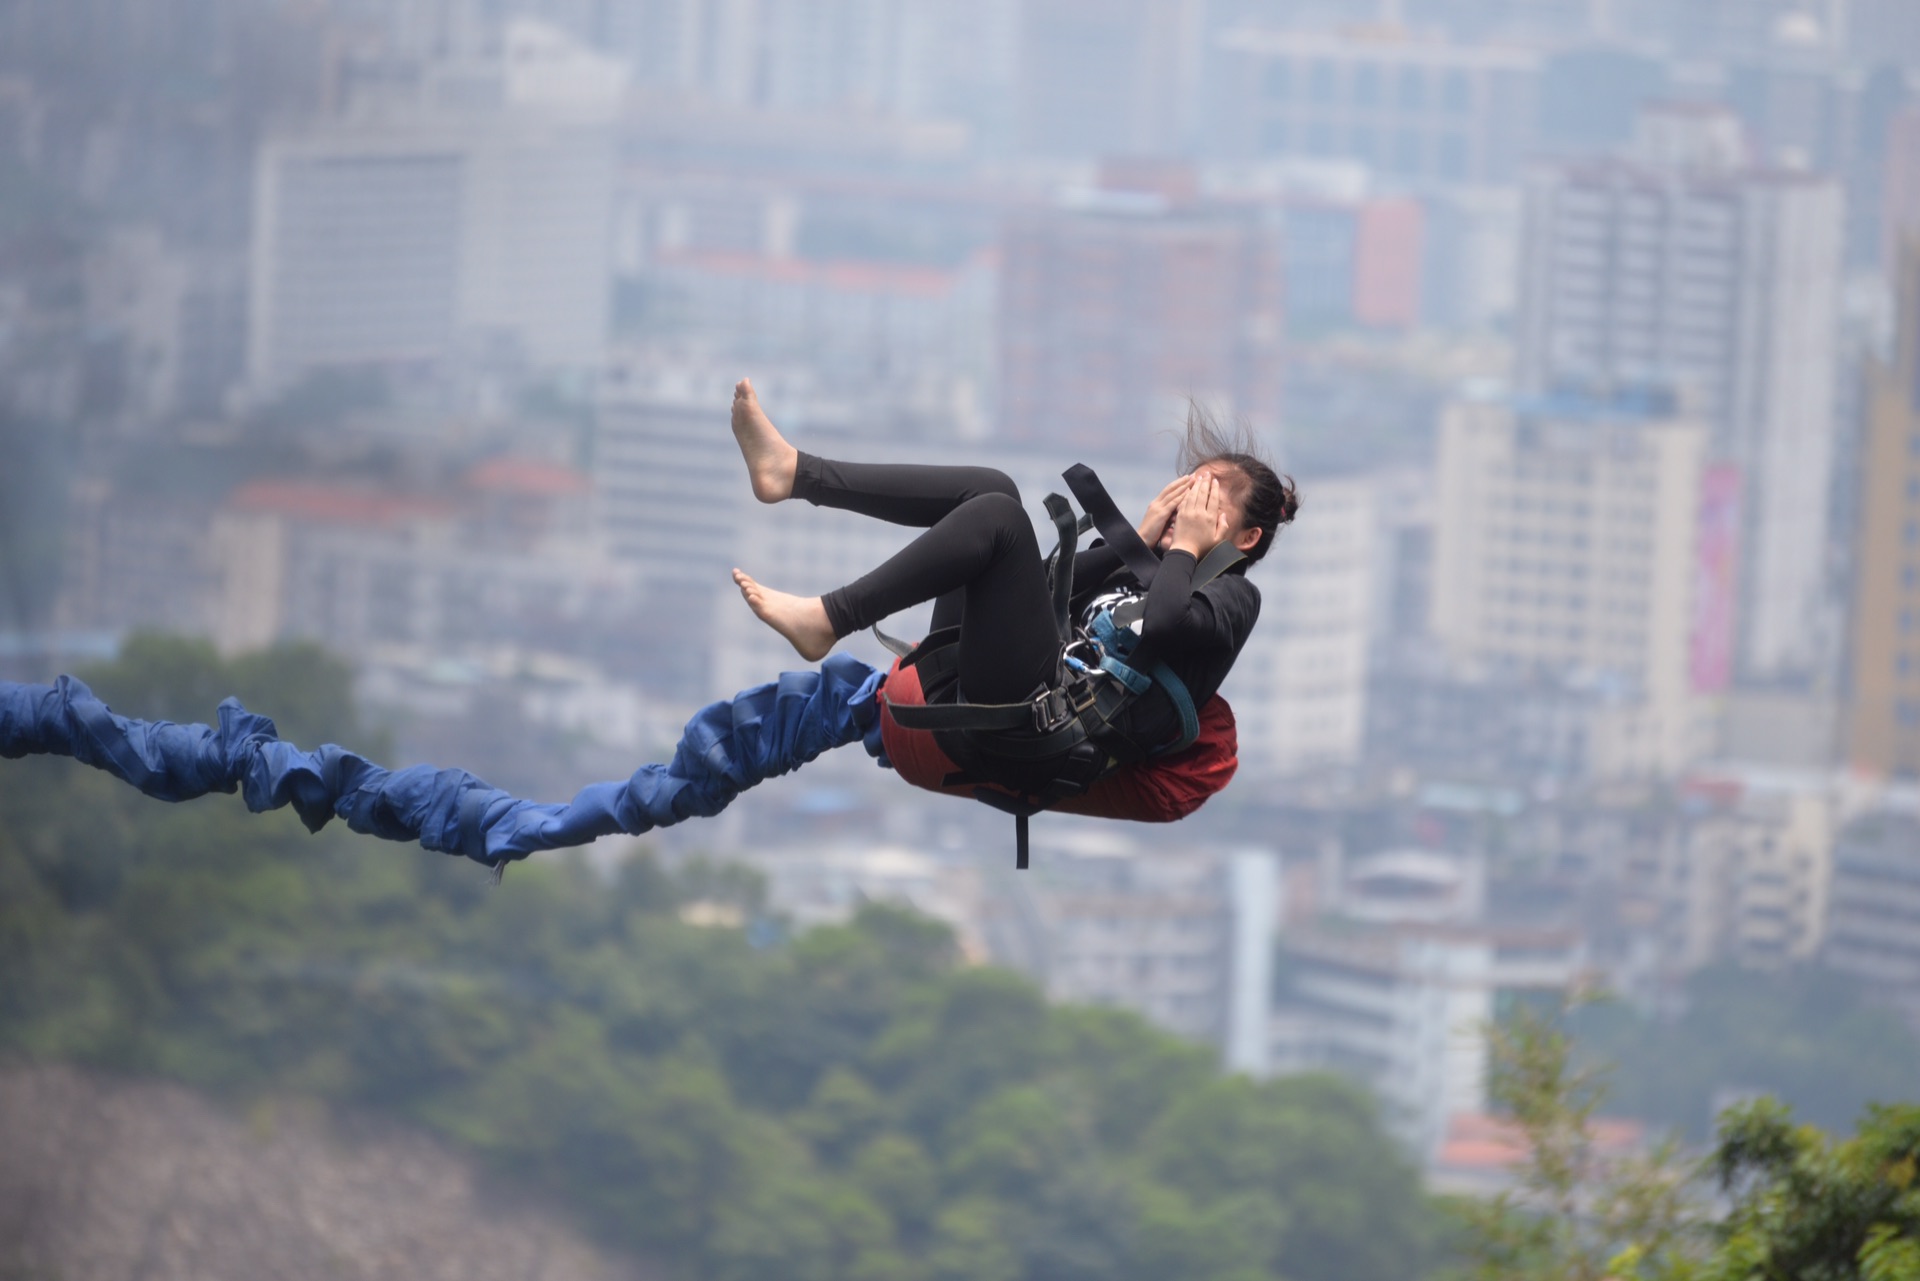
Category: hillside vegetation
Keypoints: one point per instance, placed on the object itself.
(852, 1104)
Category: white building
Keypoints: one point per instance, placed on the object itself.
(1184, 937)
(1400, 997)
(1299, 689)
(504, 560)
(1751, 884)
(826, 884)
(1566, 541)
(476, 212)
(1685, 268)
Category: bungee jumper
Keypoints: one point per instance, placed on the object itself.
(1085, 683)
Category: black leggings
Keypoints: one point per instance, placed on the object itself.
(978, 561)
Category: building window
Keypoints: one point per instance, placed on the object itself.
(1413, 89)
(1279, 79)
(1406, 159)
(1456, 94)
(1366, 85)
(1276, 137)
(1326, 84)
(1453, 156)
(1909, 712)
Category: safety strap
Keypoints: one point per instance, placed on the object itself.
(1021, 811)
(892, 644)
(1114, 527)
(1067, 525)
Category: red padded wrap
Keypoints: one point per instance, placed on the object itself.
(1157, 791)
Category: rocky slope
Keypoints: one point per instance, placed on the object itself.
(103, 1178)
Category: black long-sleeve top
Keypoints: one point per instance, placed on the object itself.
(1198, 633)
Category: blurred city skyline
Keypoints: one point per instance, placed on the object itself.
(1590, 330)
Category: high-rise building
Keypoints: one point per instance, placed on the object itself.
(1884, 698)
(1117, 309)
(1099, 78)
(1749, 885)
(1300, 685)
(1396, 988)
(1686, 269)
(479, 212)
(1900, 193)
(1184, 941)
(1355, 262)
(1416, 110)
(1568, 541)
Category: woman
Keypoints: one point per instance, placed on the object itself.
(980, 562)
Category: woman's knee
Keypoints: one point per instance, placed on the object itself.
(991, 480)
(1002, 516)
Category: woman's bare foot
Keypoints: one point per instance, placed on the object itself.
(801, 619)
(770, 459)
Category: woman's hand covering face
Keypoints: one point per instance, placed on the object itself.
(1156, 527)
(1201, 521)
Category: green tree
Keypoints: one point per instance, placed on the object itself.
(305, 690)
(1576, 1213)
(1799, 1205)
(1808, 1208)
(1805, 1035)
(1310, 1146)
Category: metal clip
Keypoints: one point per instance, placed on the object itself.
(1051, 710)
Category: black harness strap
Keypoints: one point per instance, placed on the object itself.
(1067, 525)
(1114, 527)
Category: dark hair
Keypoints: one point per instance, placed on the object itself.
(1269, 500)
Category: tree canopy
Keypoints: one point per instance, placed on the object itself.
(852, 1103)
(1804, 1035)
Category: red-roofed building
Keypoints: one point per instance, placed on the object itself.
(1481, 1154)
(335, 503)
(503, 558)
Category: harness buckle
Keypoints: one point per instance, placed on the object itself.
(1051, 710)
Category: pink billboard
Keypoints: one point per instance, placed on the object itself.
(1716, 581)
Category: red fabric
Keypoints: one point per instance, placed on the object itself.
(1157, 791)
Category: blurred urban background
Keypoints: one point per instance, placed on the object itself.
(1590, 330)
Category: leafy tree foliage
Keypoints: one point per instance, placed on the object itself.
(849, 1104)
(1803, 1035)
(1772, 1200)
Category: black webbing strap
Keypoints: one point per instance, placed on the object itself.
(988, 716)
(1021, 811)
(892, 644)
(1115, 528)
(1222, 558)
(1067, 525)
